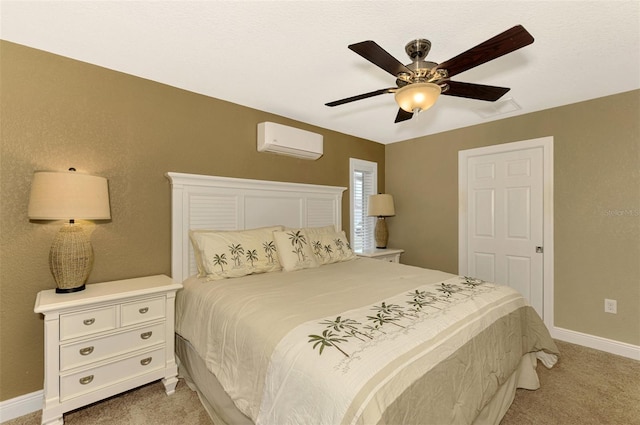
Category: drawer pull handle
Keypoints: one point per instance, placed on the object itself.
(86, 380)
(143, 310)
(146, 361)
(146, 335)
(86, 351)
(89, 322)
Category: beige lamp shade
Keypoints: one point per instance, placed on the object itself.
(381, 205)
(417, 97)
(68, 196)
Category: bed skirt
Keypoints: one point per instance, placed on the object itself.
(222, 411)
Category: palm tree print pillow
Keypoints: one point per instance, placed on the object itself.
(294, 250)
(331, 247)
(236, 254)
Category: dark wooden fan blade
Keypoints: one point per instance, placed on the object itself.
(507, 42)
(403, 115)
(475, 91)
(361, 96)
(379, 57)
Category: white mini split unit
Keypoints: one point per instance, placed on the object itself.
(283, 140)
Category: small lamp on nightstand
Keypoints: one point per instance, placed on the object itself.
(381, 206)
(69, 196)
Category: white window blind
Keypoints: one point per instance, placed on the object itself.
(363, 182)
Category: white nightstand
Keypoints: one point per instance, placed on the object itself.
(391, 255)
(109, 338)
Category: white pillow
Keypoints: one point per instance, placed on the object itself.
(225, 254)
(294, 250)
(319, 230)
(331, 247)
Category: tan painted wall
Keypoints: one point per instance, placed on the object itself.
(58, 113)
(597, 205)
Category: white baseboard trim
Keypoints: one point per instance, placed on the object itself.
(21, 405)
(599, 343)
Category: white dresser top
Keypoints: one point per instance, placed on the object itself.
(49, 300)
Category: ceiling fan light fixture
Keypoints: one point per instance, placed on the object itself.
(417, 97)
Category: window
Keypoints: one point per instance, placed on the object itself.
(363, 181)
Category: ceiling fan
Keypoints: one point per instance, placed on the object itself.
(419, 83)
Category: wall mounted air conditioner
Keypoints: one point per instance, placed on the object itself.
(283, 140)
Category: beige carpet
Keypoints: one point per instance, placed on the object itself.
(585, 387)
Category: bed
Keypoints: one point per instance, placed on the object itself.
(326, 337)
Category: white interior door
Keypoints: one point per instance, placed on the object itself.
(502, 196)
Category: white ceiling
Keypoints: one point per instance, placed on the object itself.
(291, 57)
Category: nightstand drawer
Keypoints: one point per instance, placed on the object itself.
(98, 377)
(143, 311)
(87, 322)
(389, 259)
(390, 255)
(89, 351)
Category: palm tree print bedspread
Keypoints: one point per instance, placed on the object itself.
(385, 319)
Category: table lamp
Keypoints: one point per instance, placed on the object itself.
(69, 196)
(381, 206)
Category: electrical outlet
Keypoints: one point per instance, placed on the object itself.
(610, 306)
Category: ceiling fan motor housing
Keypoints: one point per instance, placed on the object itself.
(422, 71)
(418, 49)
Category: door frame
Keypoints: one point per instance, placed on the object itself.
(546, 143)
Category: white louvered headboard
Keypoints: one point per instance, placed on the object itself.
(224, 203)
